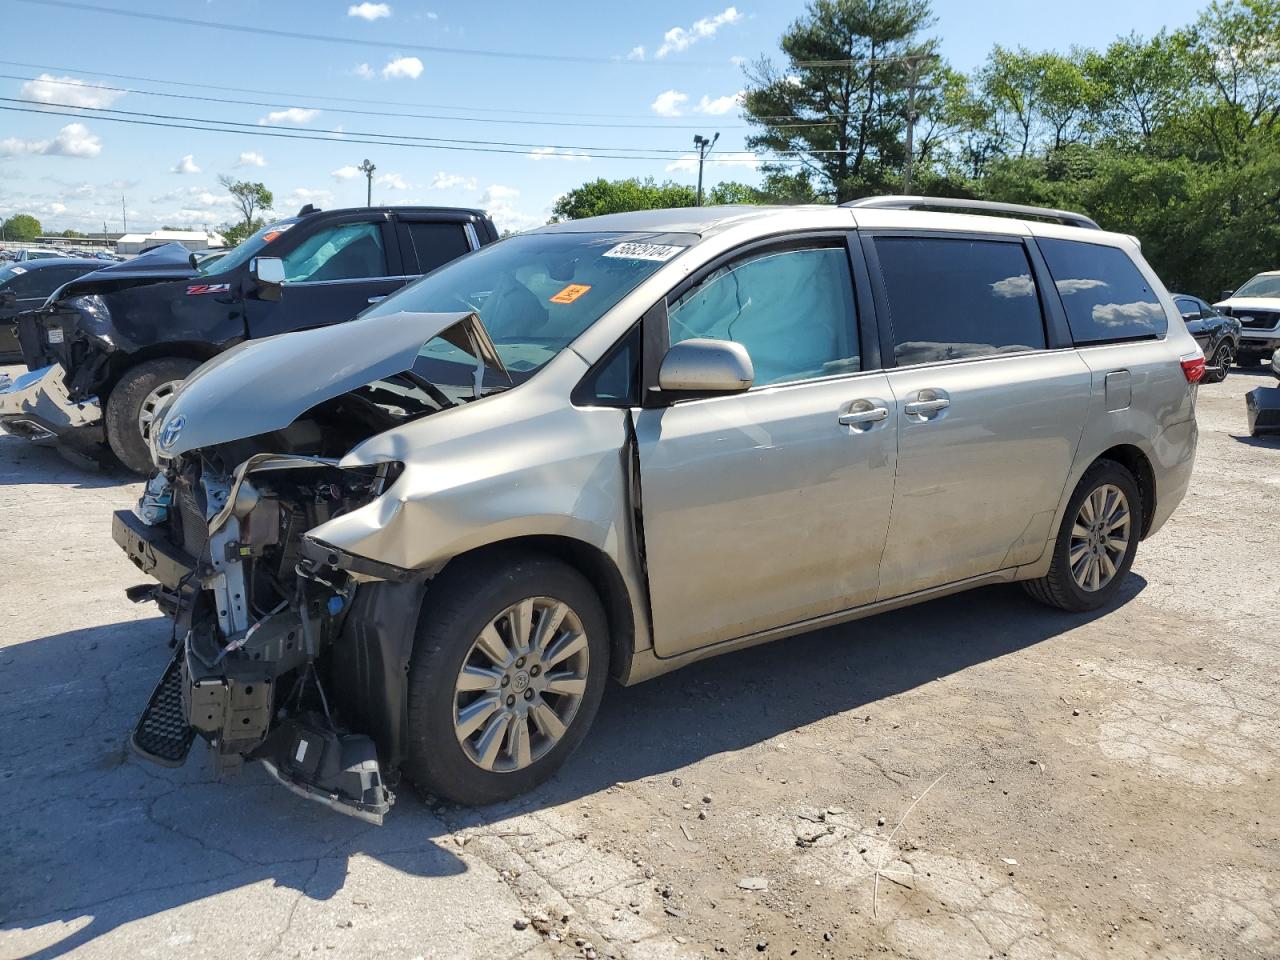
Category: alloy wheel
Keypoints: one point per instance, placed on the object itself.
(521, 684)
(1100, 537)
(1224, 359)
(151, 406)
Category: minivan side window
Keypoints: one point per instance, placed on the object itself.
(1106, 297)
(952, 298)
(792, 309)
(349, 251)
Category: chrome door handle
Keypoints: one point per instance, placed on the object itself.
(858, 417)
(378, 299)
(925, 408)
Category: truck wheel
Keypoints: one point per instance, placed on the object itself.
(1096, 542)
(508, 669)
(132, 406)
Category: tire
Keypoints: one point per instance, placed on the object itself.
(1223, 357)
(1059, 587)
(462, 602)
(125, 407)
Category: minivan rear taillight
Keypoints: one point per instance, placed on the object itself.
(1193, 367)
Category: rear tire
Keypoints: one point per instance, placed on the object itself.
(1223, 357)
(1078, 538)
(449, 689)
(140, 387)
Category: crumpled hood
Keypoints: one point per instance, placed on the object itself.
(1250, 303)
(264, 385)
(172, 261)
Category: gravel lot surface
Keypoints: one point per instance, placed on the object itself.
(975, 777)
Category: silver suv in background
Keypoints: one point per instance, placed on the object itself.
(423, 540)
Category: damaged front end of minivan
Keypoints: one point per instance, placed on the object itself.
(287, 650)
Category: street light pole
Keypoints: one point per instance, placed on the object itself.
(367, 168)
(704, 147)
(914, 64)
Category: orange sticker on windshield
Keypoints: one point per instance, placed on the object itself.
(570, 293)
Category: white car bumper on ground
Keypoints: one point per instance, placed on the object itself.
(36, 405)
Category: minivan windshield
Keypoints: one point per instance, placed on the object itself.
(1263, 285)
(246, 250)
(535, 294)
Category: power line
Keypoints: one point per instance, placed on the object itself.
(335, 136)
(419, 47)
(82, 84)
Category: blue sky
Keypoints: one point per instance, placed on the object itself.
(671, 70)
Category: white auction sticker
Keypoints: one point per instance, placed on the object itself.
(660, 252)
(55, 334)
(18, 271)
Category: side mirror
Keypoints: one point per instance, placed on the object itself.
(1227, 294)
(706, 368)
(268, 273)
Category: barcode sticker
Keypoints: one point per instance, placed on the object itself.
(630, 250)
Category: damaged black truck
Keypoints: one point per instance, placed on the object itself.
(109, 349)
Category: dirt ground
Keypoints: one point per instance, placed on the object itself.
(976, 777)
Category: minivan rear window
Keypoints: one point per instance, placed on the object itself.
(1106, 297)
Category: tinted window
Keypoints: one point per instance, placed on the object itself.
(792, 309)
(616, 381)
(27, 283)
(950, 299)
(1188, 308)
(1105, 295)
(349, 251)
(435, 244)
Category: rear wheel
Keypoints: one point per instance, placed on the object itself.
(134, 403)
(1096, 542)
(506, 676)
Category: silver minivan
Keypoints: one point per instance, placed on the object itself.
(420, 542)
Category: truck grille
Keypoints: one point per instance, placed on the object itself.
(1256, 319)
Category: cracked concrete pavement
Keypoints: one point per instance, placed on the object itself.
(1097, 785)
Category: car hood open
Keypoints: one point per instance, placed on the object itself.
(264, 385)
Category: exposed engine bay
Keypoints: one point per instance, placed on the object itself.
(257, 607)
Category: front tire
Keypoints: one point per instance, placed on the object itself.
(507, 673)
(1096, 542)
(133, 404)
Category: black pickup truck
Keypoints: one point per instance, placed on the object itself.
(105, 354)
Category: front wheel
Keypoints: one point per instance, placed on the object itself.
(134, 403)
(1223, 357)
(1096, 541)
(507, 672)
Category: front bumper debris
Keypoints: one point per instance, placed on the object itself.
(1262, 410)
(36, 405)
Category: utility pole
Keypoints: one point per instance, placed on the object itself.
(124, 215)
(704, 147)
(914, 63)
(367, 168)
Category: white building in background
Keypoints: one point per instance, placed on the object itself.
(193, 240)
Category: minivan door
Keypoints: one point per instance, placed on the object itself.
(769, 507)
(330, 276)
(991, 405)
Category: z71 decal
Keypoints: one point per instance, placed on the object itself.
(198, 288)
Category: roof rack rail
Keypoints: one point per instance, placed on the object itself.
(976, 206)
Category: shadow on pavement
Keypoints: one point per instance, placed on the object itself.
(24, 462)
(98, 834)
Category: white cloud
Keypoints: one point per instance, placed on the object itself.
(58, 207)
(1136, 314)
(451, 181)
(720, 105)
(291, 115)
(369, 11)
(500, 203)
(1010, 288)
(68, 91)
(680, 38)
(73, 140)
(410, 67)
(690, 161)
(433, 16)
(363, 71)
(737, 61)
(251, 158)
(555, 153)
(346, 173)
(302, 196)
(186, 165)
(637, 53)
(1068, 287)
(668, 103)
(393, 181)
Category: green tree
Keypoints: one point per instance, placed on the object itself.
(234, 234)
(838, 103)
(252, 199)
(21, 226)
(602, 196)
(1140, 84)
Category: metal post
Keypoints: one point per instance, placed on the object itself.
(368, 169)
(704, 147)
(914, 65)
